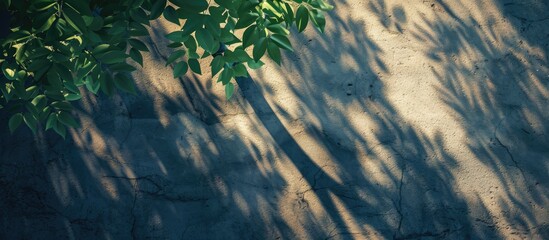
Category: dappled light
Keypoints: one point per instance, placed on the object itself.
(426, 119)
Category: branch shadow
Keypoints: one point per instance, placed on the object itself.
(498, 92)
(315, 149)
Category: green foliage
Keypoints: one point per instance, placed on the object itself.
(56, 49)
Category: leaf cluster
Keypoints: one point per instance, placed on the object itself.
(56, 49)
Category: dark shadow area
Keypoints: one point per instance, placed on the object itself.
(322, 154)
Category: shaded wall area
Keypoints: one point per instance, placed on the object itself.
(406, 120)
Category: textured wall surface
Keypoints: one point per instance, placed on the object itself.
(406, 120)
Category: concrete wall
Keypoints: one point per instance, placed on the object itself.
(407, 119)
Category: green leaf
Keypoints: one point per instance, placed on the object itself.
(15, 121)
(246, 20)
(250, 36)
(39, 53)
(226, 75)
(53, 79)
(60, 129)
(217, 64)
(272, 9)
(225, 3)
(124, 82)
(174, 56)
(289, 14)
(73, 96)
(229, 90)
(20, 53)
(82, 7)
(122, 67)
(95, 25)
(107, 84)
(175, 45)
(193, 24)
(112, 57)
(157, 8)
(274, 52)
(137, 29)
(40, 101)
(52, 121)
(42, 5)
(38, 64)
(47, 23)
(74, 19)
(318, 19)
(213, 28)
(59, 57)
(177, 36)
(195, 6)
(69, 85)
(191, 44)
(136, 56)
(19, 89)
(217, 14)
(241, 56)
(195, 66)
(54, 94)
(170, 15)
(32, 109)
(118, 28)
(301, 18)
(63, 72)
(92, 84)
(30, 121)
(137, 3)
(21, 75)
(101, 48)
(85, 67)
(229, 57)
(278, 28)
(247, 7)
(180, 69)
(15, 37)
(139, 16)
(31, 92)
(206, 40)
(67, 119)
(8, 72)
(44, 114)
(240, 70)
(259, 48)
(227, 37)
(137, 44)
(193, 54)
(62, 105)
(255, 65)
(324, 6)
(282, 41)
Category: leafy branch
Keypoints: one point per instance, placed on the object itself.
(56, 49)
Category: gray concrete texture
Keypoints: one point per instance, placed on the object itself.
(414, 119)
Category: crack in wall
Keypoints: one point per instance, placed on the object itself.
(399, 205)
(333, 235)
(438, 235)
(134, 218)
(159, 191)
(516, 165)
(511, 156)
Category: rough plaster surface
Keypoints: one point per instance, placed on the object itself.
(408, 120)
